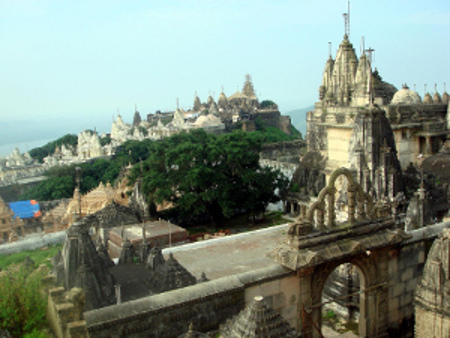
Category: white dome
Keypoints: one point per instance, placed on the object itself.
(406, 96)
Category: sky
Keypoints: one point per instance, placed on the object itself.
(69, 65)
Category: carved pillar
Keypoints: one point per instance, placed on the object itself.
(305, 303)
(366, 180)
(303, 209)
(331, 204)
(428, 145)
(360, 212)
(351, 203)
(320, 217)
(292, 208)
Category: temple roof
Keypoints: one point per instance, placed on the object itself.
(115, 215)
(258, 320)
(169, 276)
(427, 98)
(406, 96)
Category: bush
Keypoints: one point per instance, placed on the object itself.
(22, 304)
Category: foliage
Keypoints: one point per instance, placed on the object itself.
(296, 133)
(294, 188)
(22, 304)
(268, 103)
(203, 173)
(39, 256)
(48, 149)
(143, 130)
(105, 140)
(273, 134)
(61, 180)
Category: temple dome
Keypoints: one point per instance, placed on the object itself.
(406, 96)
(445, 98)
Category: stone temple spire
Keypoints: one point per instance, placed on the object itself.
(84, 268)
(169, 276)
(258, 320)
(248, 89)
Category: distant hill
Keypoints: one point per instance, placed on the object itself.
(298, 118)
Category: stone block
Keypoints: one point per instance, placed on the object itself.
(397, 290)
(409, 257)
(406, 299)
(279, 301)
(270, 288)
(394, 304)
(58, 295)
(290, 284)
(408, 310)
(411, 284)
(407, 274)
(421, 257)
(394, 315)
(393, 268)
(77, 329)
(66, 313)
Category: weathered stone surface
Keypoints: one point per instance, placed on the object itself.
(169, 275)
(432, 297)
(84, 268)
(257, 320)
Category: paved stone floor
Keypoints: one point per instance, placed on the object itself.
(218, 258)
(230, 255)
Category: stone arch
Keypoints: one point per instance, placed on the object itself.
(368, 269)
(360, 203)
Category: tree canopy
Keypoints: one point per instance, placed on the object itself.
(206, 174)
(61, 179)
(48, 149)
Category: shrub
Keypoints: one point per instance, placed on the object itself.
(22, 305)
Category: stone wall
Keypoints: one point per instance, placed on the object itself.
(282, 150)
(33, 242)
(405, 268)
(207, 305)
(280, 294)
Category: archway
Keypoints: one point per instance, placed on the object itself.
(341, 299)
(370, 318)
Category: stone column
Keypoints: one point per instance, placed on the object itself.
(320, 217)
(331, 204)
(351, 203)
(305, 326)
(428, 145)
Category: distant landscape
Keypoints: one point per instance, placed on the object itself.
(27, 135)
(298, 118)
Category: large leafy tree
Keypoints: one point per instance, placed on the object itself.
(206, 174)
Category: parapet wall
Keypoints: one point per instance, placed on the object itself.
(169, 314)
(32, 242)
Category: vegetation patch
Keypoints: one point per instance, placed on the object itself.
(22, 302)
(39, 256)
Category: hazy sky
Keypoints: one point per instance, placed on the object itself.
(78, 62)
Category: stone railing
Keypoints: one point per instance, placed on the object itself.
(65, 310)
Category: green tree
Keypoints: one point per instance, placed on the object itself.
(206, 174)
(48, 149)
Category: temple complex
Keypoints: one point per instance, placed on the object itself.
(350, 91)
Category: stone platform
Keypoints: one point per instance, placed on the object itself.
(230, 255)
